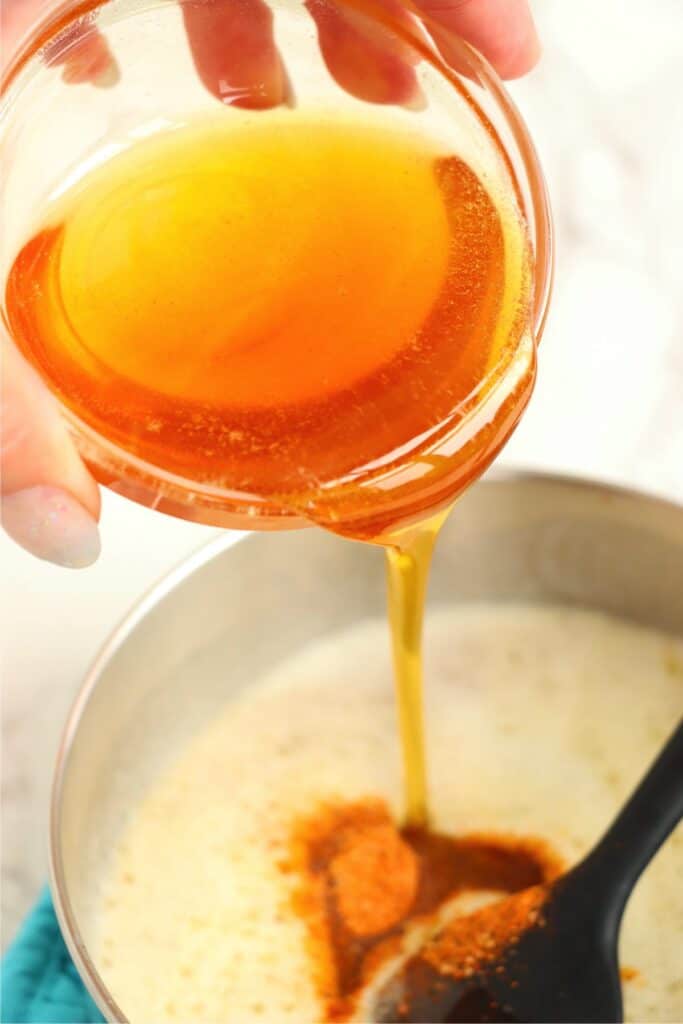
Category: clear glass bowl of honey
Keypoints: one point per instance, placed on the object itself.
(323, 309)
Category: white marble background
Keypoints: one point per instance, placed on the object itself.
(606, 110)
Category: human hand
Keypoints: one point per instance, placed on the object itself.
(362, 60)
(50, 502)
(237, 59)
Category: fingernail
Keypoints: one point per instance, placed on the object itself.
(52, 525)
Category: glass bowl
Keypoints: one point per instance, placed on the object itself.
(54, 125)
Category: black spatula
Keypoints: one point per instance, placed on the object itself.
(564, 967)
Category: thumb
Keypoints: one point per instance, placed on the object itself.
(50, 503)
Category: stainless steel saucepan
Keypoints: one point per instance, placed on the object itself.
(234, 609)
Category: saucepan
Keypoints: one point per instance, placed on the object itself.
(234, 609)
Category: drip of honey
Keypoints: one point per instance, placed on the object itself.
(318, 316)
(408, 561)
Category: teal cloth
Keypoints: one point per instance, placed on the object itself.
(40, 982)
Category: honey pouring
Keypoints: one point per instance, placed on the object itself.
(323, 317)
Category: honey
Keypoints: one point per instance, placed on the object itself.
(285, 309)
(408, 560)
(307, 311)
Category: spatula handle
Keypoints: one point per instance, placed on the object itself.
(649, 817)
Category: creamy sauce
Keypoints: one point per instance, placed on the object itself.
(538, 722)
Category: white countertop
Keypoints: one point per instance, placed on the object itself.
(604, 112)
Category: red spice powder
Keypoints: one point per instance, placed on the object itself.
(375, 877)
(363, 881)
(468, 942)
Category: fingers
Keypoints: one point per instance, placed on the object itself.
(50, 503)
(234, 52)
(502, 30)
(84, 54)
(368, 63)
(362, 56)
(80, 48)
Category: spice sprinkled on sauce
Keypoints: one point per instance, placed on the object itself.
(364, 882)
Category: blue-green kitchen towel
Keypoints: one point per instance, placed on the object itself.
(39, 980)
